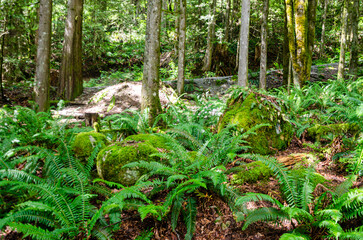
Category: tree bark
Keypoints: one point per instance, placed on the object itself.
(301, 33)
(2, 59)
(322, 40)
(181, 50)
(243, 48)
(211, 26)
(42, 72)
(70, 76)
(286, 54)
(264, 31)
(150, 100)
(343, 43)
(354, 49)
(228, 13)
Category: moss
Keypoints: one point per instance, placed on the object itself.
(251, 173)
(110, 161)
(85, 142)
(318, 131)
(255, 110)
(155, 140)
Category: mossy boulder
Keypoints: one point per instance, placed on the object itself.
(110, 160)
(85, 142)
(257, 109)
(251, 173)
(318, 131)
(155, 140)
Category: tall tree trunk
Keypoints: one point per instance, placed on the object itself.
(243, 41)
(150, 83)
(301, 33)
(286, 54)
(2, 59)
(177, 19)
(264, 30)
(70, 76)
(322, 40)
(228, 13)
(42, 73)
(211, 26)
(343, 40)
(354, 49)
(181, 50)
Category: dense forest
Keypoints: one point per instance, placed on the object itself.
(181, 119)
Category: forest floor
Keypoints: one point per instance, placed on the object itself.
(215, 220)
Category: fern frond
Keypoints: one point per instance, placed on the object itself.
(255, 197)
(34, 232)
(190, 217)
(292, 236)
(264, 214)
(282, 173)
(175, 212)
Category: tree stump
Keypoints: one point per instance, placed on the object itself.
(91, 118)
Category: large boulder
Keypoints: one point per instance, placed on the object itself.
(257, 109)
(85, 143)
(110, 160)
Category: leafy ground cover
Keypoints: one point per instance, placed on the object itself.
(190, 189)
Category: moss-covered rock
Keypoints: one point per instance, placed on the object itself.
(85, 142)
(318, 131)
(155, 140)
(251, 173)
(257, 109)
(110, 160)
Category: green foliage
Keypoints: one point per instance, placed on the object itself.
(183, 175)
(298, 188)
(323, 103)
(62, 208)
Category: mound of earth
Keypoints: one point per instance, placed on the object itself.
(111, 100)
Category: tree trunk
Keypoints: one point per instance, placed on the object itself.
(181, 50)
(354, 49)
(150, 100)
(343, 41)
(70, 75)
(286, 54)
(177, 19)
(2, 59)
(243, 41)
(42, 73)
(322, 40)
(264, 30)
(301, 33)
(228, 13)
(209, 51)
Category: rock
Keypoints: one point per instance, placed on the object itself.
(318, 131)
(251, 173)
(110, 160)
(257, 109)
(85, 142)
